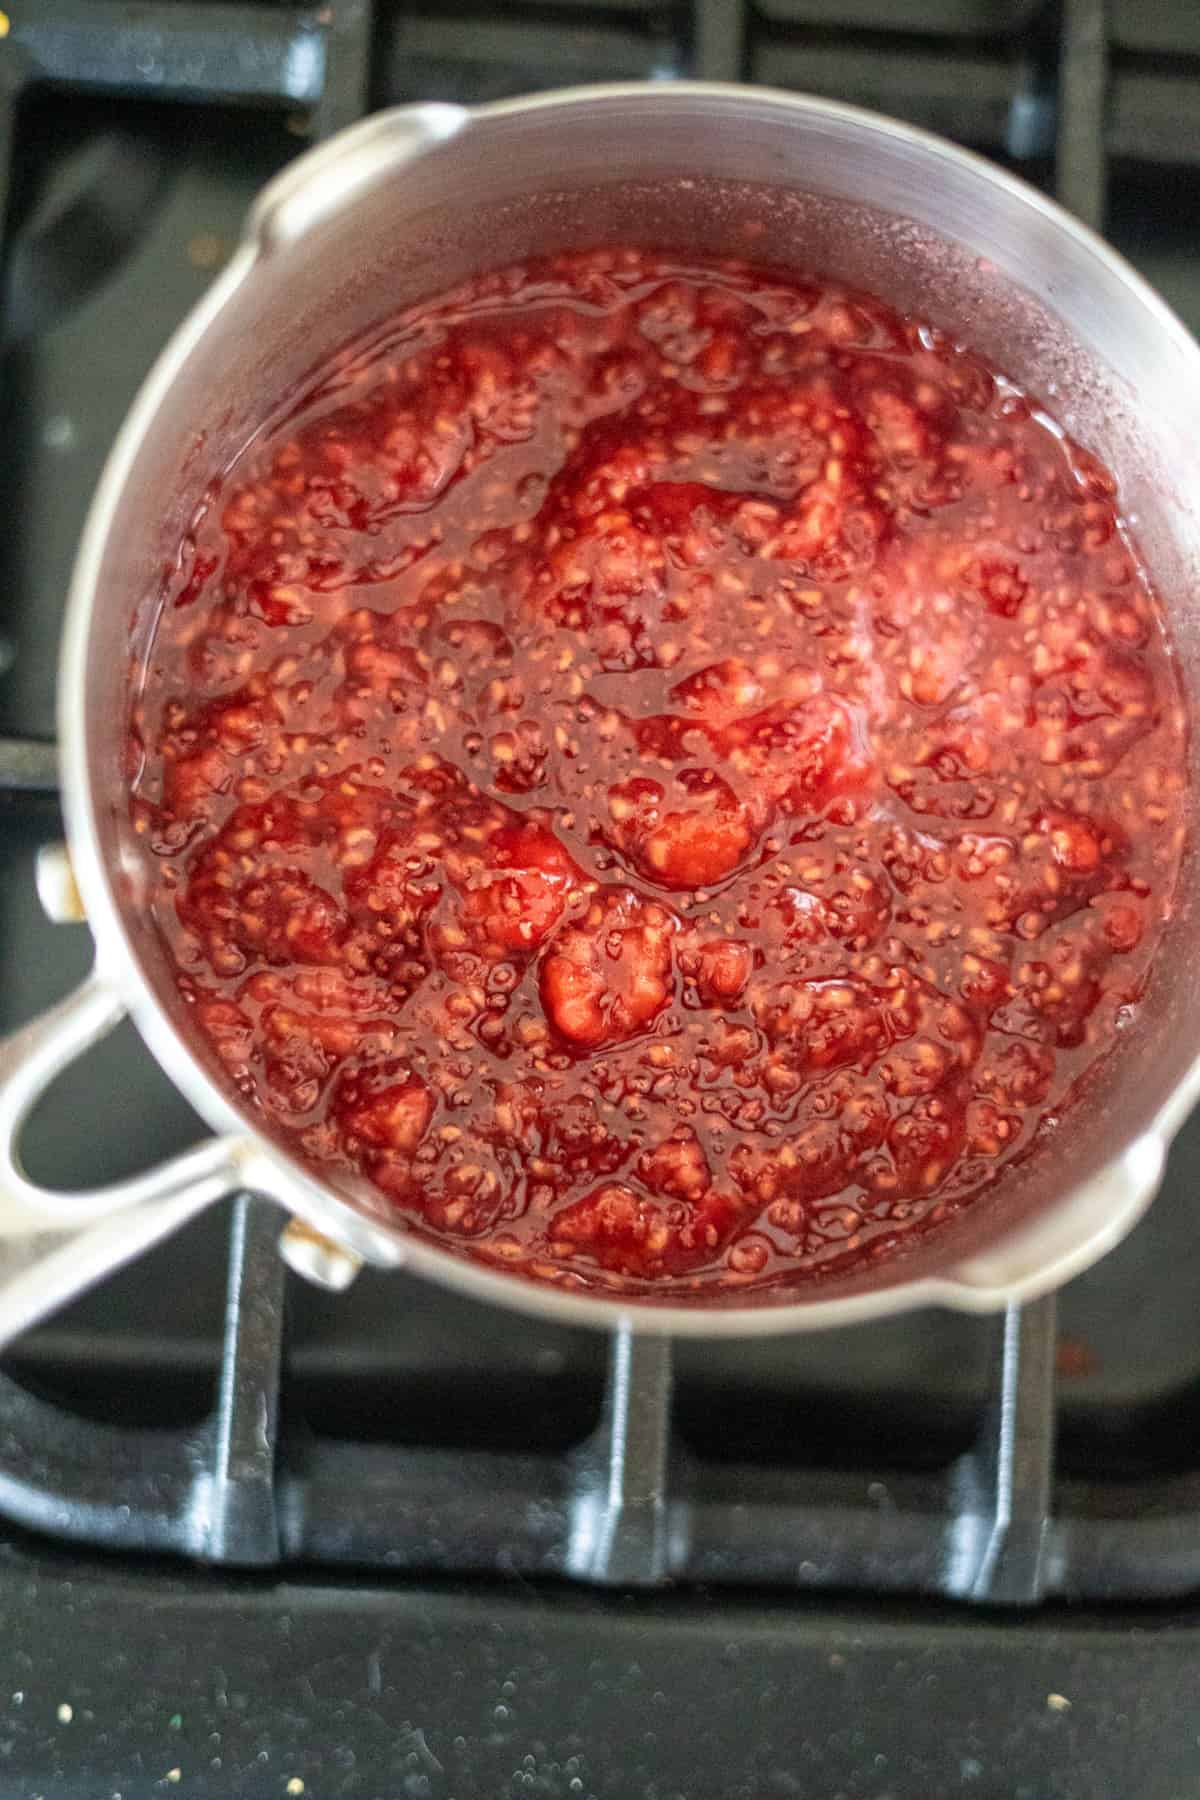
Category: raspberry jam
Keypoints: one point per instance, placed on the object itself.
(670, 771)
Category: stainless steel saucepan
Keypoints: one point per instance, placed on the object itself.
(398, 208)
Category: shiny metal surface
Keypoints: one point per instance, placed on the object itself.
(326, 1264)
(411, 200)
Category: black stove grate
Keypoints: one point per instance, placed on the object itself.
(1055, 88)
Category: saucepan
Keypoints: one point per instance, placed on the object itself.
(402, 206)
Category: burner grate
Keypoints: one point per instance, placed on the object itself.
(252, 1485)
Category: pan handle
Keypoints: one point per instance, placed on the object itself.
(322, 181)
(53, 1243)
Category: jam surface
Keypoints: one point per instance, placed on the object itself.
(668, 770)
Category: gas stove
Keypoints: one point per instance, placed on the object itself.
(390, 1542)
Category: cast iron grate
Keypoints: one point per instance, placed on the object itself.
(251, 1486)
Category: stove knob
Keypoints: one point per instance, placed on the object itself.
(320, 1260)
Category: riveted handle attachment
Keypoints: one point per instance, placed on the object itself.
(55, 1243)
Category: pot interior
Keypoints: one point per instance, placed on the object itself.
(783, 181)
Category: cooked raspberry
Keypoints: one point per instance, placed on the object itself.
(813, 1163)
(677, 1167)
(230, 1029)
(622, 1230)
(829, 533)
(824, 1024)
(301, 1051)
(1124, 686)
(724, 968)
(608, 568)
(1016, 1073)
(862, 1111)
(805, 753)
(1050, 1009)
(820, 1159)
(391, 1117)
(284, 917)
(386, 879)
(974, 738)
(809, 1165)
(857, 911)
(520, 758)
(220, 650)
(690, 517)
(925, 1142)
(326, 990)
(477, 649)
(192, 784)
(797, 918)
(240, 724)
(579, 1136)
(990, 1131)
(999, 583)
(278, 915)
(934, 667)
(399, 672)
(515, 892)
(1124, 924)
(468, 1202)
(729, 1047)
(1093, 713)
(1075, 842)
(720, 693)
(609, 977)
(985, 982)
(918, 1067)
(689, 834)
(904, 437)
(1022, 885)
(619, 1227)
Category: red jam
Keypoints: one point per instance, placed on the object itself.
(671, 771)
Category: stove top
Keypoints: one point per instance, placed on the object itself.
(433, 1493)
